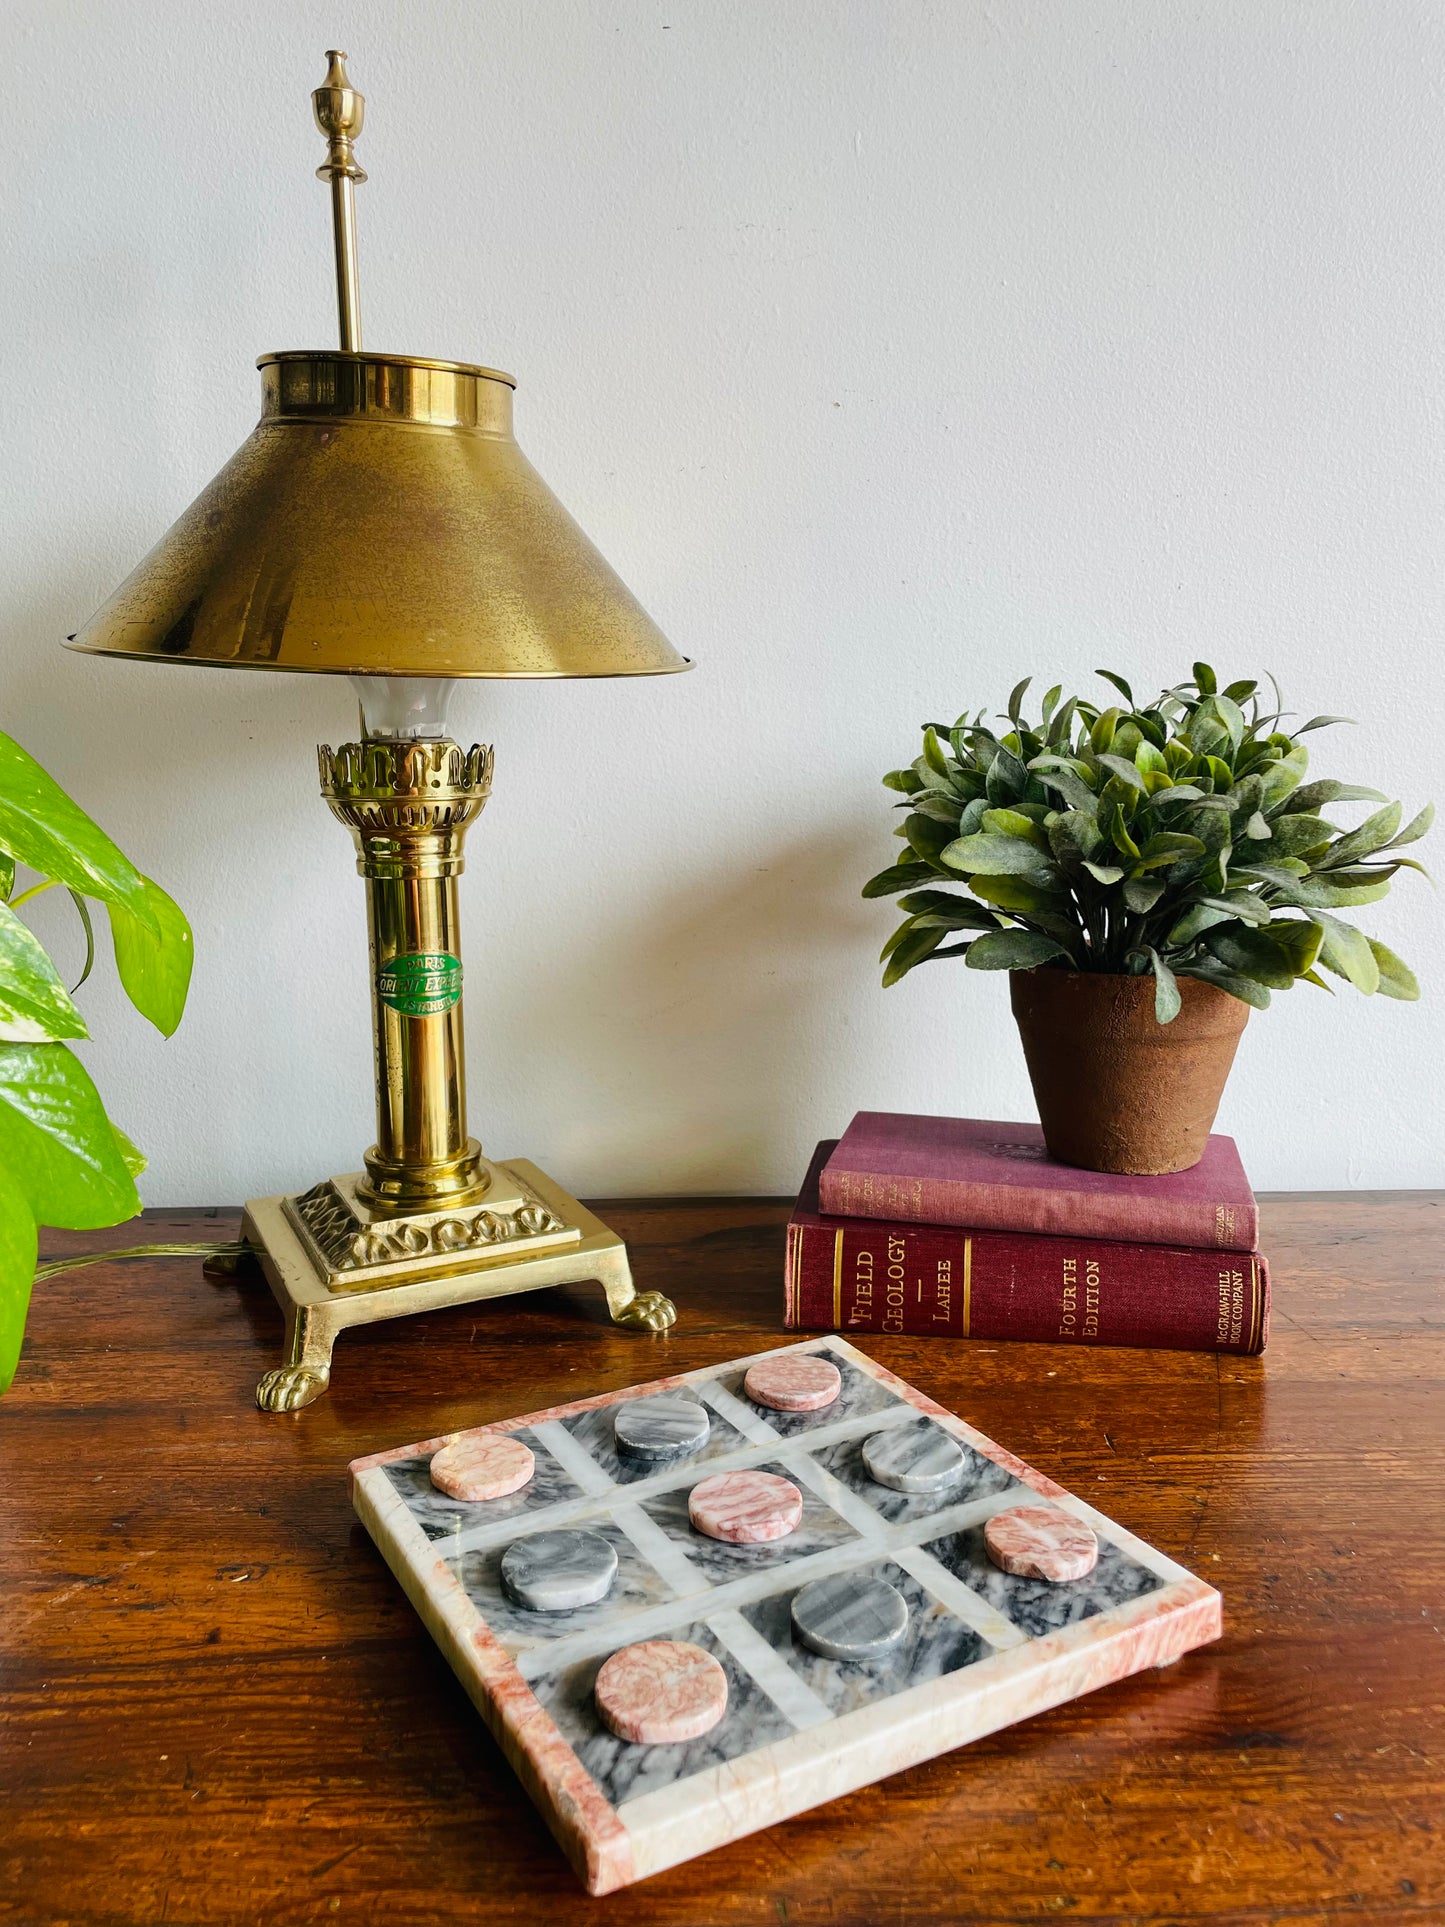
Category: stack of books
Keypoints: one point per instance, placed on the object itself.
(963, 1228)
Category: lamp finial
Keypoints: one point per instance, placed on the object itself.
(339, 112)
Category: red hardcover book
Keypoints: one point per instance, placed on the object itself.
(998, 1177)
(861, 1275)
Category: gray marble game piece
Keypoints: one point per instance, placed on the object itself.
(553, 1572)
(661, 1428)
(909, 1459)
(846, 1617)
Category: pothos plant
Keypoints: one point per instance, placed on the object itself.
(1176, 837)
(62, 1160)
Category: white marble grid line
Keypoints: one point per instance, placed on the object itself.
(664, 1555)
(540, 1656)
(573, 1459)
(961, 1600)
(746, 1418)
(792, 1696)
(570, 1511)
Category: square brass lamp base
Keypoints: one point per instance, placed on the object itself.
(332, 1262)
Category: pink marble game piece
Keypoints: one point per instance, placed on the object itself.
(793, 1382)
(488, 1465)
(1036, 1542)
(661, 1691)
(745, 1508)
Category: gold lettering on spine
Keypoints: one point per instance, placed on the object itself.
(1069, 1300)
(967, 1282)
(893, 1291)
(837, 1279)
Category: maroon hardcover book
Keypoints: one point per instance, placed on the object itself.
(998, 1177)
(860, 1275)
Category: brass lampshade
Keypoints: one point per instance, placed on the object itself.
(382, 523)
(381, 520)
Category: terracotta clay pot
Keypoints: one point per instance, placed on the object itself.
(1116, 1089)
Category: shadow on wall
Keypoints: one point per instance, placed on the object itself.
(682, 1042)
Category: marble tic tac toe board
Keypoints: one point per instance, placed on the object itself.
(943, 1644)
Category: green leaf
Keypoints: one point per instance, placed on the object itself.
(941, 806)
(1415, 828)
(1167, 1000)
(1122, 767)
(1289, 835)
(943, 903)
(1119, 683)
(1007, 778)
(1252, 954)
(1013, 823)
(35, 1006)
(132, 1156)
(82, 910)
(1347, 952)
(56, 1142)
(1323, 893)
(1104, 872)
(1240, 692)
(1012, 950)
(989, 854)
(1327, 790)
(1396, 977)
(1321, 722)
(1205, 680)
(898, 876)
(917, 945)
(1244, 988)
(1197, 919)
(1015, 701)
(1169, 847)
(903, 779)
(1299, 940)
(1074, 790)
(1373, 834)
(1019, 893)
(41, 826)
(1102, 733)
(17, 1274)
(1176, 793)
(933, 751)
(1050, 701)
(1141, 893)
(7, 873)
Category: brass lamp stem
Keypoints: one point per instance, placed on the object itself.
(408, 805)
(339, 111)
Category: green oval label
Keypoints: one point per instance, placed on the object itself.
(422, 985)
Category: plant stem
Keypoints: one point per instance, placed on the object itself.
(34, 891)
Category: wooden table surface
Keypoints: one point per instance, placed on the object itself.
(216, 1705)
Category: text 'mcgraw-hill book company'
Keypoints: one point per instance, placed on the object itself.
(998, 1177)
(925, 1280)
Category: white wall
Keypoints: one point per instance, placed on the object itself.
(890, 349)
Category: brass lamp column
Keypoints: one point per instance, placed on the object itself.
(381, 523)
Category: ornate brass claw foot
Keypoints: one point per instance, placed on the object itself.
(634, 1310)
(290, 1387)
(646, 1311)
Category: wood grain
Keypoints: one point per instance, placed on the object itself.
(217, 1706)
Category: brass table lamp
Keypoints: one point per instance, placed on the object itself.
(381, 523)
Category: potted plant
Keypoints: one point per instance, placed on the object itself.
(62, 1160)
(1148, 874)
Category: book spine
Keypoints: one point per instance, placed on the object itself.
(1199, 1223)
(929, 1281)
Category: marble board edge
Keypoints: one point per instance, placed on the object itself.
(823, 1763)
(581, 1819)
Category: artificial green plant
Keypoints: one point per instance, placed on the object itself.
(1177, 838)
(62, 1161)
